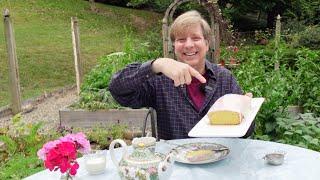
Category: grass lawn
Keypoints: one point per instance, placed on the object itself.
(44, 46)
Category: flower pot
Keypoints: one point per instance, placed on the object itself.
(232, 60)
(222, 63)
(130, 134)
(294, 110)
(262, 41)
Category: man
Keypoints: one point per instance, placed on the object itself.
(181, 91)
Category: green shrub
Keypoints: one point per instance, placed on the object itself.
(293, 26)
(23, 140)
(156, 5)
(308, 80)
(303, 131)
(309, 38)
(11, 146)
(122, 3)
(20, 165)
(254, 77)
(288, 86)
(100, 136)
(100, 76)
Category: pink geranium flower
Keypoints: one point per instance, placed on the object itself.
(67, 149)
(62, 154)
(46, 148)
(74, 168)
(82, 143)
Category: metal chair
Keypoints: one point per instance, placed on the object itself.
(153, 120)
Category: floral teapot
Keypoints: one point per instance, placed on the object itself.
(143, 163)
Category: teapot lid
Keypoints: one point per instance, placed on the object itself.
(142, 155)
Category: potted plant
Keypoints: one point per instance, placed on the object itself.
(304, 83)
(230, 57)
(262, 37)
(293, 88)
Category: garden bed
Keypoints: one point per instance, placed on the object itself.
(133, 118)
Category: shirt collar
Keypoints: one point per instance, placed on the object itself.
(211, 69)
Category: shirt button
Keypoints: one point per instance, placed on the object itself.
(147, 76)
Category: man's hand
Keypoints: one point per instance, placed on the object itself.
(249, 94)
(179, 72)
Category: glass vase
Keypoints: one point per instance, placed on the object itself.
(66, 176)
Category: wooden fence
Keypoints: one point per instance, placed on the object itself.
(13, 63)
(76, 52)
(14, 85)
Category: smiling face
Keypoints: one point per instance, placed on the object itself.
(191, 47)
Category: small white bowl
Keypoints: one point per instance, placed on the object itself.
(274, 158)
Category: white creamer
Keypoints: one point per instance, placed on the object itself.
(95, 163)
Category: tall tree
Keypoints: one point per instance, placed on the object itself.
(307, 10)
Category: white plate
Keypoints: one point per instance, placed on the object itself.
(219, 152)
(204, 129)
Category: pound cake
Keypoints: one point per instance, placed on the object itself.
(229, 109)
(225, 117)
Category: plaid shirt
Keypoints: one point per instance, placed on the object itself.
(137, 86)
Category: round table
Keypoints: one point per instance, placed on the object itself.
(245, 161)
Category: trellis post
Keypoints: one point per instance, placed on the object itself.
(92, 5)
(76, 52)
(165, 38)
(13, 63)
(216, 53)
(277, 39)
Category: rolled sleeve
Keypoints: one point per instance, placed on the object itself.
(130, 86)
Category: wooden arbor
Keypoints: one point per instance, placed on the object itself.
(215, 17)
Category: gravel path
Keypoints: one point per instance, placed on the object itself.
(47, 110)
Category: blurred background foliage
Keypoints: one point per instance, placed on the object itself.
(138, 39)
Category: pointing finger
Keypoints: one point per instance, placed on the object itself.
(188, 78)
(197, 75)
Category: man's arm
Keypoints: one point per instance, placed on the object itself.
(130, 86)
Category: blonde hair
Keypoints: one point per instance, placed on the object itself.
(185, 21)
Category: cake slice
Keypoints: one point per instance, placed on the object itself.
(199, 155)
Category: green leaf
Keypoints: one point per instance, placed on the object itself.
(301, 144)
(270, 127)
(307, 138)
(314, 141)
(16, 118)
(288, 133)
